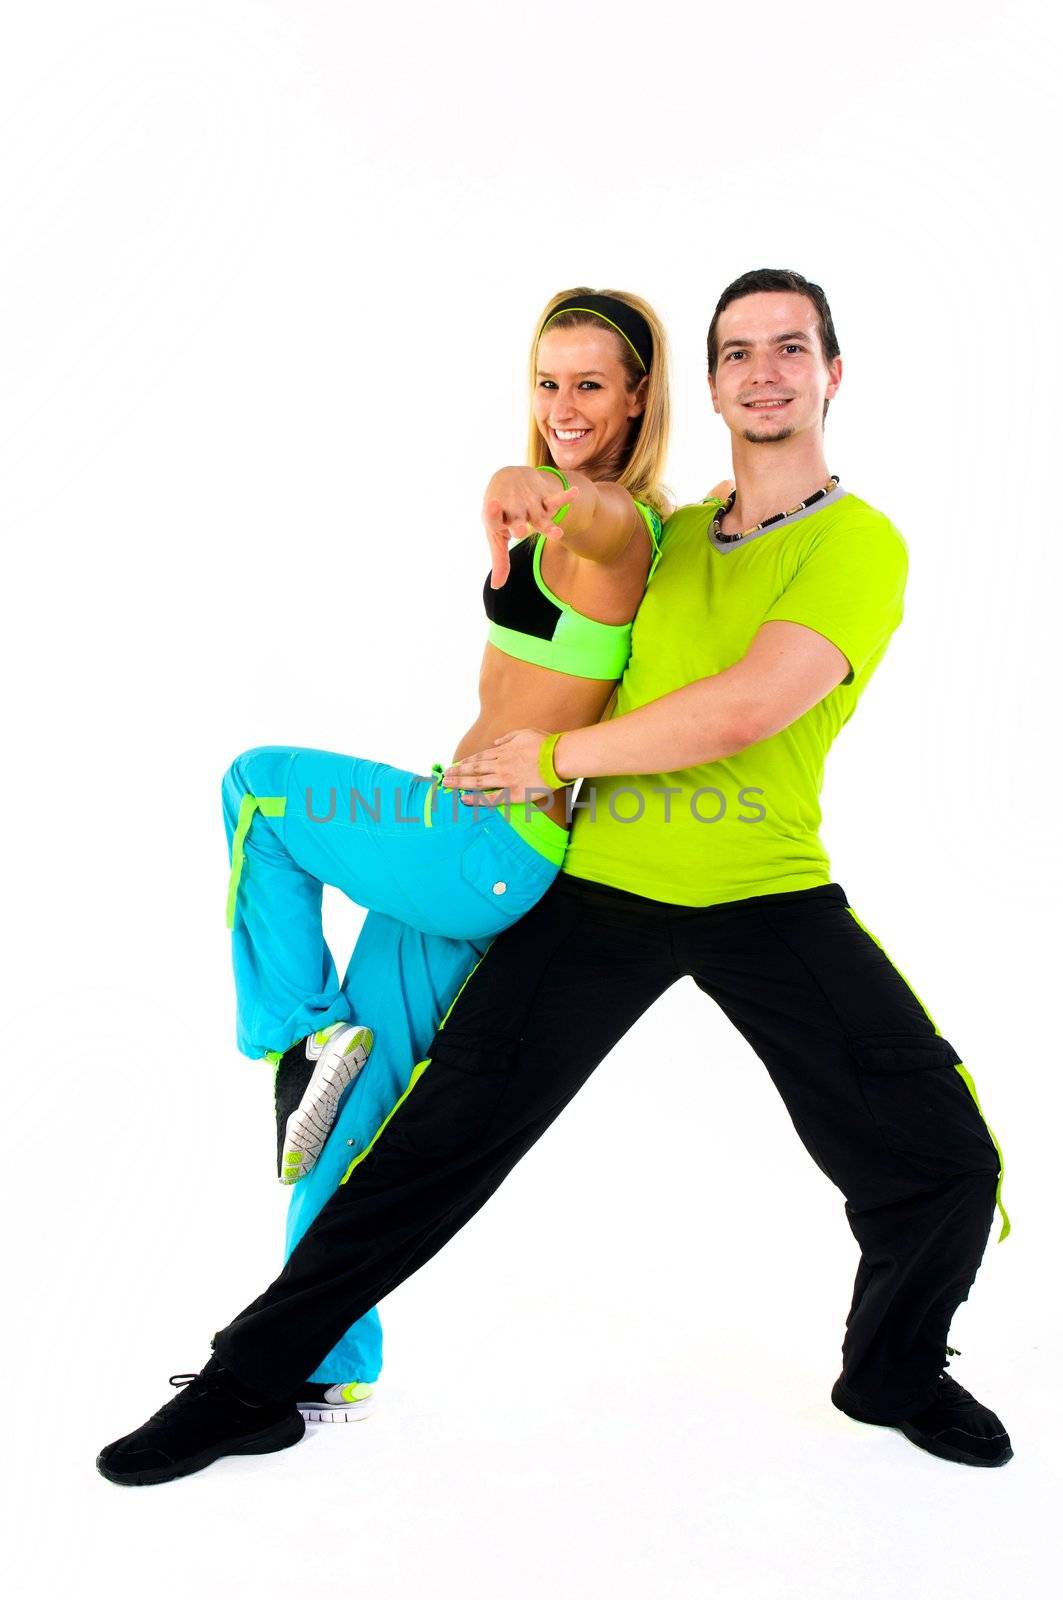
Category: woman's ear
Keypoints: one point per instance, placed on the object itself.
(638, 398)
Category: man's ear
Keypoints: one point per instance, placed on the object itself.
(834, 370)
(715, 396)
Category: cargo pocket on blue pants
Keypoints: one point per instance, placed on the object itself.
(506, 887)
(921, 1104)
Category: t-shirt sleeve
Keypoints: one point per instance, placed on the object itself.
(850, 588)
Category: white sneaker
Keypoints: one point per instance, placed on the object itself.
(342, 1057)
(337, 1402)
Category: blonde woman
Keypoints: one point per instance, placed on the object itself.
(441, 879)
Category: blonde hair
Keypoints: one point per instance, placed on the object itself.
(644, 456)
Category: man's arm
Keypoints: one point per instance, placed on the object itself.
(787, 669)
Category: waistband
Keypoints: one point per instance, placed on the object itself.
(607, 896)
(542, 833)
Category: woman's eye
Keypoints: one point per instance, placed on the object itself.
(547, 383)
(589, 384)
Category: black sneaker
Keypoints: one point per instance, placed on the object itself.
(955, 1426)
(214, 1415)
(312, 1079)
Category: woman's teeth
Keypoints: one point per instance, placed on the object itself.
(569, 435)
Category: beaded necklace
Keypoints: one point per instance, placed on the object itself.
(728, 505)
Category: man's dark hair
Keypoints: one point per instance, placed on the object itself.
(773, 280)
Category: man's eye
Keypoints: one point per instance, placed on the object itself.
(799, 348)
(734, 355)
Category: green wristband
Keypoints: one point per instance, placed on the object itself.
(547, 770)
(559, 516)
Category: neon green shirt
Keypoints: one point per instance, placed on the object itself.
(748, 824)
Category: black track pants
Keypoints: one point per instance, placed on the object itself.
(871, 1087)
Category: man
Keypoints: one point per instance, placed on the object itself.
(695, 851)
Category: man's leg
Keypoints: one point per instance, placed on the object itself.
(875, 1095)
(547, 1002)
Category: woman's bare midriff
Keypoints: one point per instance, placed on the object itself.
(516, 694)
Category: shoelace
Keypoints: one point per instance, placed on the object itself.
(199, 1382)
(205, 1382)
(949, 1391)
(180, 1381)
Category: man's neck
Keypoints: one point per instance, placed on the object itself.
(770, 478)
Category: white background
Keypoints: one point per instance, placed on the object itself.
(268, 274)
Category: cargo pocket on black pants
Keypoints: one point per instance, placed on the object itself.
(921, 1105)
(453, 1104)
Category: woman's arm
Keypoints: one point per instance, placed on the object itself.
(599, 522)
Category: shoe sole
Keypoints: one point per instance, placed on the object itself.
(311, 1122)
(278, 1437)
(948, 1452)
(319, 1413)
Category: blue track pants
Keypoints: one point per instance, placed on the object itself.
(440, 880)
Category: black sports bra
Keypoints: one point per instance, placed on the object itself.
(528, 621)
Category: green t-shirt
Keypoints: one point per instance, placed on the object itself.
(746, 825)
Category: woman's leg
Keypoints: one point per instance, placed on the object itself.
(439, 879)
(286, 980)
(297, 819)
(401, 983)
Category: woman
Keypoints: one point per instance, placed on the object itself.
(440, 879)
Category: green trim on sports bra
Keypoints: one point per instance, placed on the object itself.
(580, 646)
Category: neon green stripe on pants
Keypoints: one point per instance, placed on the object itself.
(964, 1074)
(270, 805)
(415, 1076)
